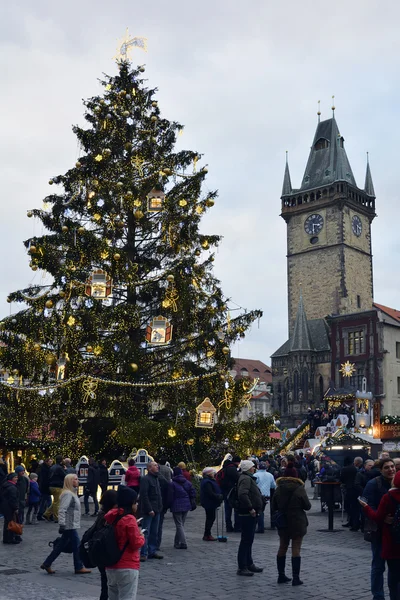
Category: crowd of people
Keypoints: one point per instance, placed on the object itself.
(243, 488)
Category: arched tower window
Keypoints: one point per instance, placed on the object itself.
(295, 386)
(321, 144)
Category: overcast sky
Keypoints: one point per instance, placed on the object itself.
(244, 78)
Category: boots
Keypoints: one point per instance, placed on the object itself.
(34, 520)
(280, 563)
(296, 563)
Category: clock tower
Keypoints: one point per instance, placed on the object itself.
(328, 219)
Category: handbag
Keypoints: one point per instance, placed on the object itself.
(15, 527)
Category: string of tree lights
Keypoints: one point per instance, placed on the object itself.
(132, 298)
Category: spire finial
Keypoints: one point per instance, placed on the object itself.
(319, 111)
(287, 154)
(367, 158)
(333, 107)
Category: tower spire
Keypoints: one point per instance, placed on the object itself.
(287, 184)
(301, 339)
(369, 186)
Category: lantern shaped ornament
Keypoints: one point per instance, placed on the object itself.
(205, 414)
(98, 285)
(155, 201)
(159, 331)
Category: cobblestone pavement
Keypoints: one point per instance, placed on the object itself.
(334, 565)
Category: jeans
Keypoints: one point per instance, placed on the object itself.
(53, 508)
(160, 529)
(86, 495)
(394, 578)
(260, 522)
(69, 536)
(151, 524)
(122, 583)
(228, 516)
(377, 571)
(210, 518)
(179, 518)
(45, 502)
(248, 527)
(21, 514)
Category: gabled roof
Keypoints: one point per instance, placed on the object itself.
(328, 160)
(318, 330)
(255, 368)
(391, 312)
(301, 339)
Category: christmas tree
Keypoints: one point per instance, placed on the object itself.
(130, 331)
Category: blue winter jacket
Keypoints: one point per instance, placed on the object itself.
(34, 493)
(210, 493)
(181, 493)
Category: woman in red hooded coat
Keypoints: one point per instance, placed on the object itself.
(390, 547)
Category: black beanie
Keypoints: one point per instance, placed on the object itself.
(126, 496)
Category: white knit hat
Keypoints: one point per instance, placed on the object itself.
(208, 471)
(246, 465)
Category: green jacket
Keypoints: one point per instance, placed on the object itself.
(291, 498)
(249, 496)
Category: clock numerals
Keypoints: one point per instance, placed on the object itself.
(313, 224)
(356, 226)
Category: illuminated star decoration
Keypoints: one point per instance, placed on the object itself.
(347, 369)
(126, 45)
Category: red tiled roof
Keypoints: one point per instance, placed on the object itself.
(255, 368)
(392, 312)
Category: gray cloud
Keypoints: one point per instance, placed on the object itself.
(245, 80)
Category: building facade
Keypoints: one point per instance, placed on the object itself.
(329, 273)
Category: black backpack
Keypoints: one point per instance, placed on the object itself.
(233, 498)
(101, 545)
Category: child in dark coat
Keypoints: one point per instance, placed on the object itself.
(33, 500)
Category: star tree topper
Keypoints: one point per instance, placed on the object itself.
(126, 45)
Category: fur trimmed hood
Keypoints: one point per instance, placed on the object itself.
(289, 481)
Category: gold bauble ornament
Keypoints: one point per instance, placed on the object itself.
(236, 437)
(128, 195)
(51, 182)
(120, 184)
(154, 139)
(64, 229)
(170, 278)
(205, 244)
(117, 256)
(29, 214)
(154, 103)
(62, 294)
(81, 230)
(126, 113)
(128, 145)
(134, 367)
(78, 164)
(89, 349)
(9, 300)
(153, 118)
(225, 350)
(167, 171)
(97, 109)
(198, 252)
(15, 371)
(36, 346)
(204, 170)
(122, 93)
(34, 267)
(141, 69)
(49, 304)
(95, 182)
(32, 249)
(50, 360)
(138, 214)
(120, 224)
(107, 152)
(182, 202)
(190, 442)
(210, 202)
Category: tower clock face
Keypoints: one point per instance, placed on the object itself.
(313, 224)
(356, 226)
